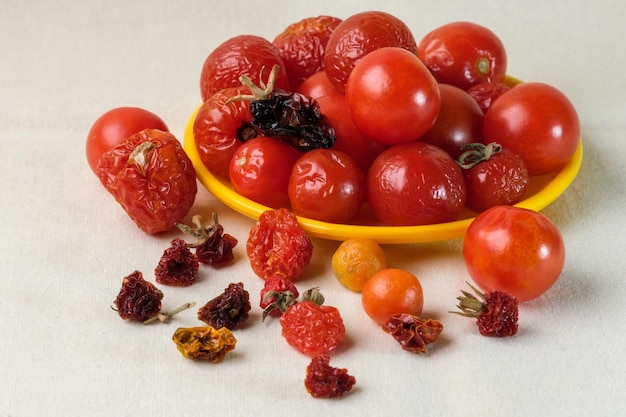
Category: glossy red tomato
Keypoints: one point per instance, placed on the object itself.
(463, 54)
(114, 126)
(520, 251)
(392, 96)
(239, 55)
(260, 170)
(326, 185)
(460, 121)
(316, 86)
(302, 44)
(538, 122)
(348, 138)
(359, 35)
(415, 184)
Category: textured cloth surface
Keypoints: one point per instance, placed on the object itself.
(65, 244)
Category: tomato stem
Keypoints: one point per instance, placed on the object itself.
(166, 316)
(140, 156)
(260, 92)
(201, 233)
(476, 153)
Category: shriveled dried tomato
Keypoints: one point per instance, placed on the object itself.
(204, 342)
(138, 299)
(277, 295)
(496, 312)
(325, 381)
(213, 246)
(412, 332)
(229, 309)
(277, 246)
(311, 328)
(178, 266)
(151, 177)
(288, 116)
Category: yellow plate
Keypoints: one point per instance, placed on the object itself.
(541, 191)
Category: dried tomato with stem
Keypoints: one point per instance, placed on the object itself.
(288, 116)
(178, 265)
(213, 246)
(496, 312)
(277, 295)
(204, 343)
(325, 381)
(412, 332)
(229, 309)
(277, 246)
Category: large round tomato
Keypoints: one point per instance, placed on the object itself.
(326, 185)
(359, 35)
(348, 138)
(516, 250)
(392, 96)
(538, 122)
(415, 184)
(260, 170)
(114, 126)
(237, 56)
(463, 54)
(460, 121)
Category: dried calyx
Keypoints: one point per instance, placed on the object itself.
(474, 153)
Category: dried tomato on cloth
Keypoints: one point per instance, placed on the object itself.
(204, 342)
(151, 177)
(412, 332)
(325, 381)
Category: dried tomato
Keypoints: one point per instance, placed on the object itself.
(311, 328)
(325, 381)
(288, 116)
(277, 246)
(496, 312)
(178, 266)
(213, 246)
(204, 343)
(412, 332)
(229, 309)
(138, 299)
(277, 295)
(151, 177)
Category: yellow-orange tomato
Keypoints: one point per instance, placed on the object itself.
(356, 260)
(392, 291)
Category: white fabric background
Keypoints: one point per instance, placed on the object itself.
(65, 244)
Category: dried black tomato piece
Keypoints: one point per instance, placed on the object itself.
(287, 116)
(229, 309)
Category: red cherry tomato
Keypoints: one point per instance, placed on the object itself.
(348, 138)
(260, 170)
(302, 44)
(415, 184)
(114, 126)
(359, 35)
(486, 93)
(326, 185)
(538, 122)
(460, 121)
(511, 249)
(220, 128)
(463, 54)
(316, 86)
(392, 96)
(240, 55)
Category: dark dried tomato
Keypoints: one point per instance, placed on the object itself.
(277, 246)
(229, 309)
(325, 381)
(291, 117)
(412, 332)
(138, 299)
(204, 343)
(496, 312)
(178, 266)
(213, 246)
(151, 177)
(277, 295)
